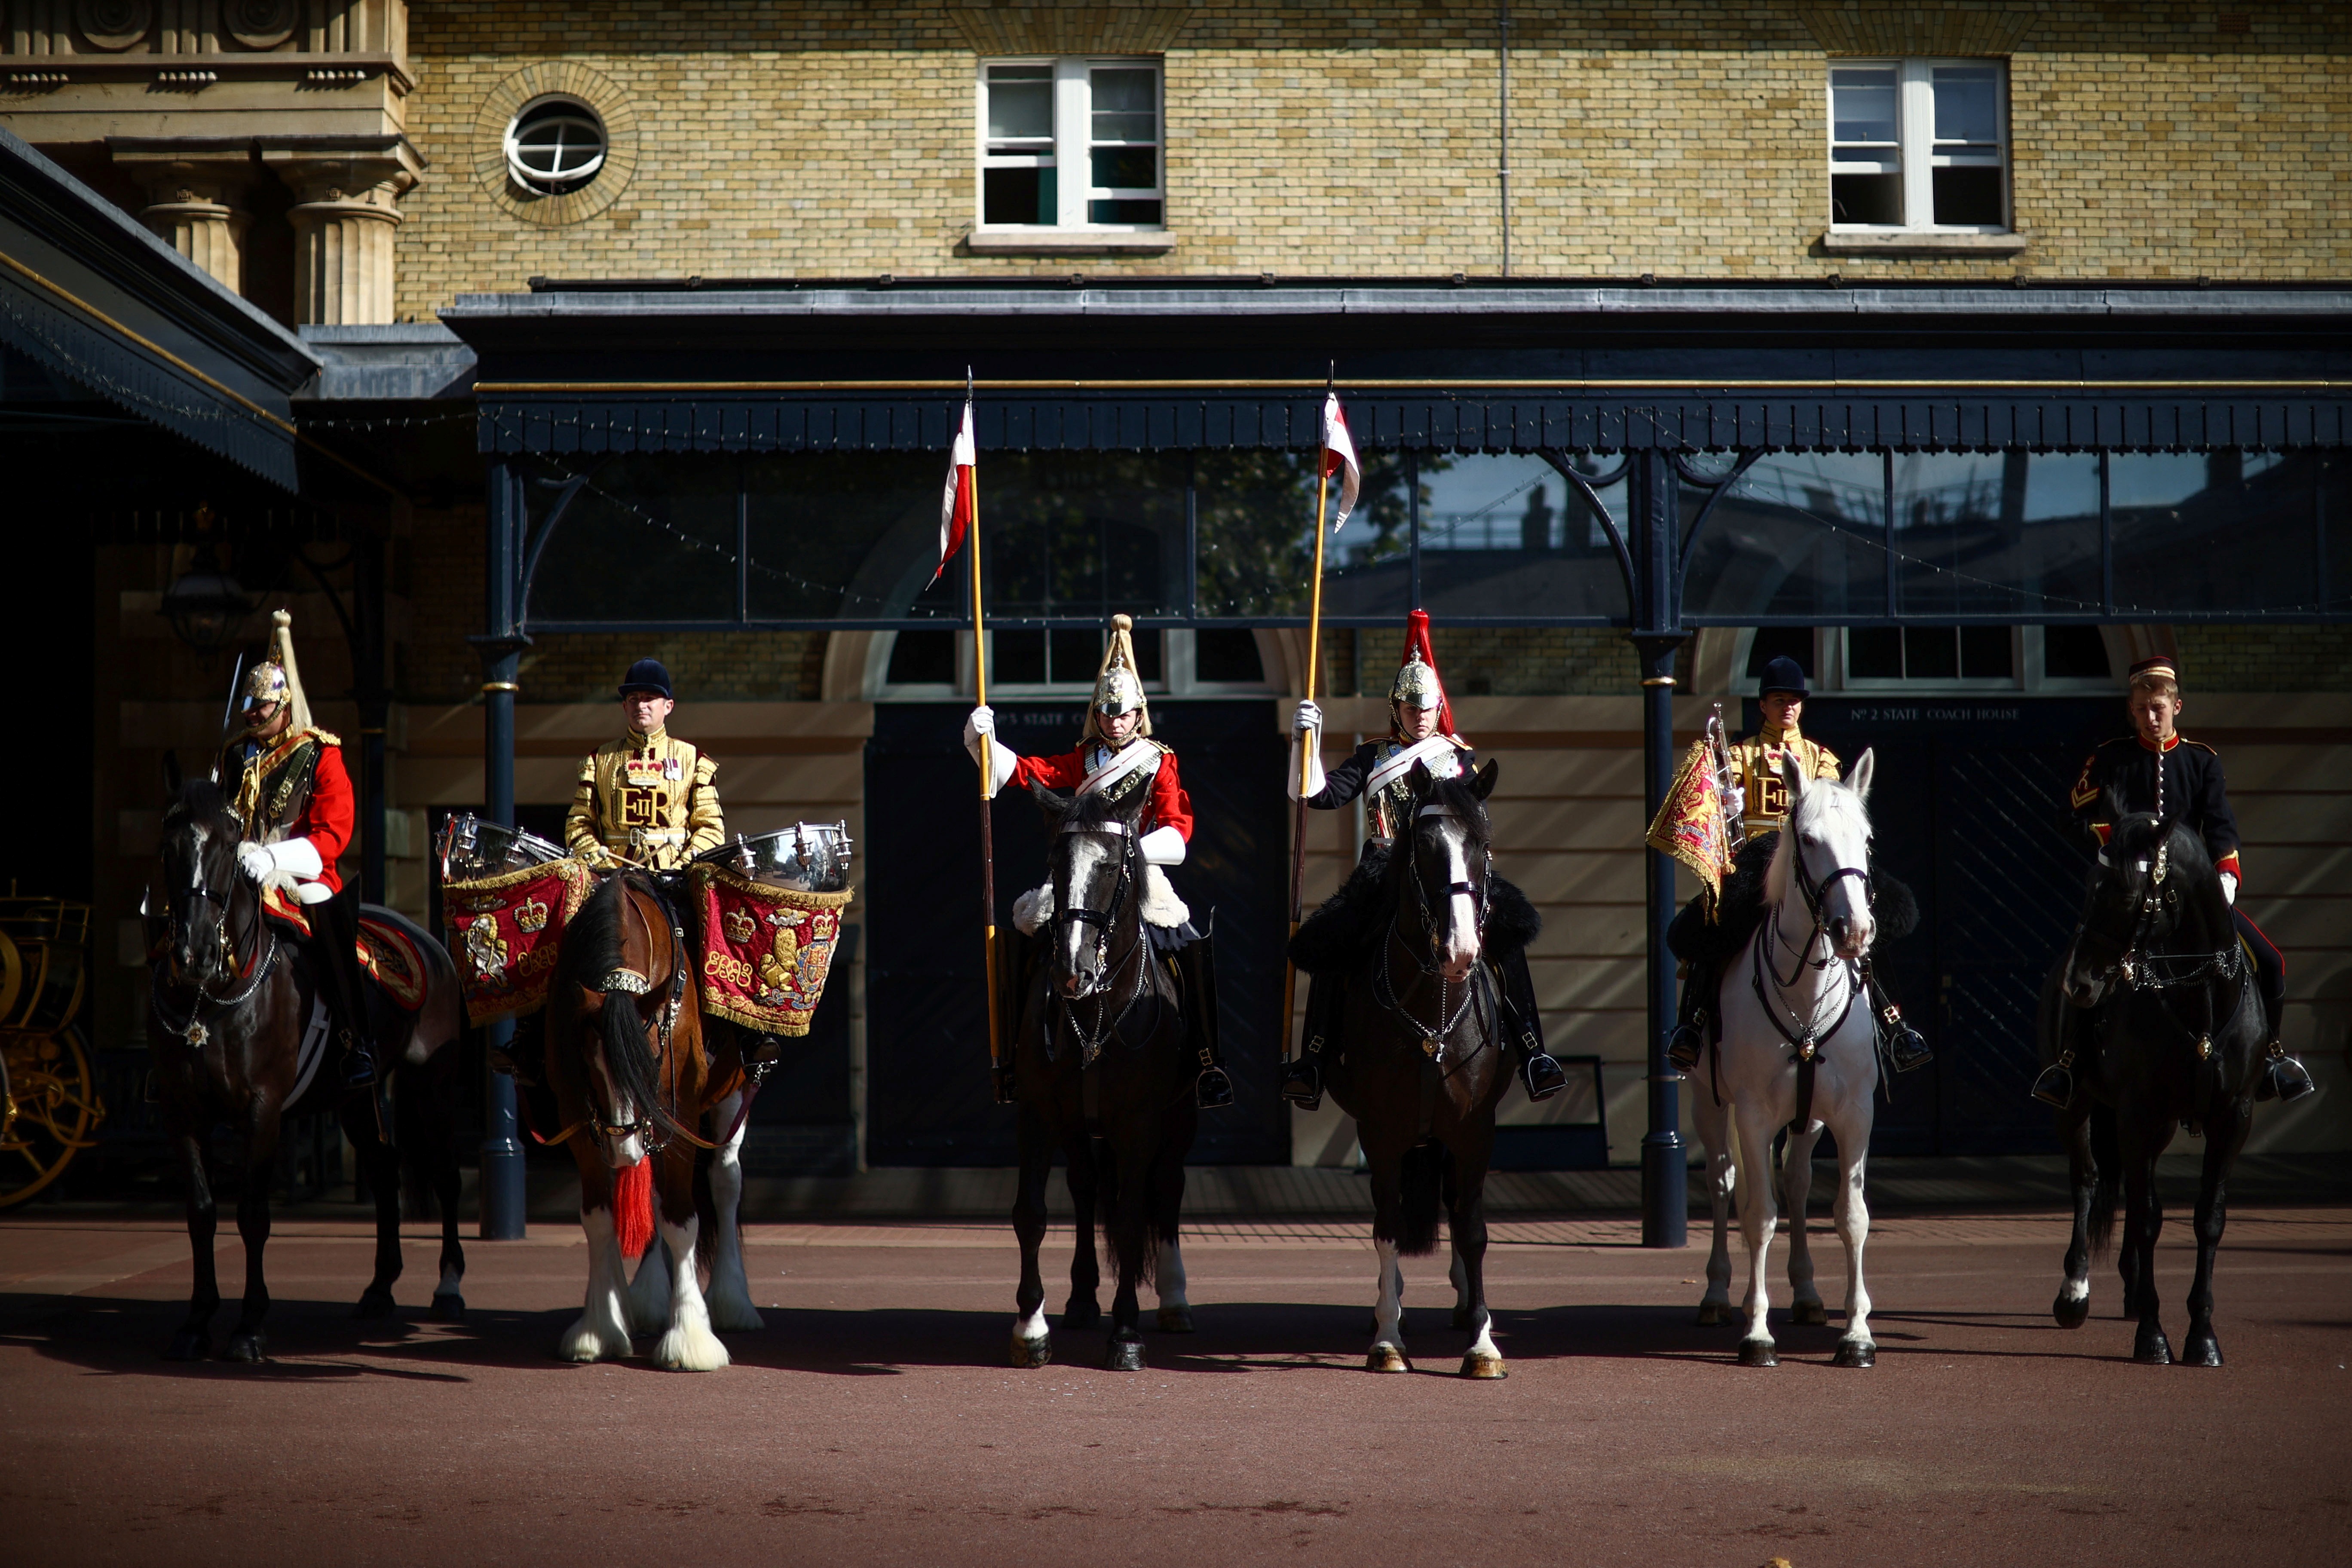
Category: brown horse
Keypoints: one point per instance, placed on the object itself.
(1420, 1065)
(638, 1084)
(229, 1014)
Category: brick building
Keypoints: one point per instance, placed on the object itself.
(2045, 291)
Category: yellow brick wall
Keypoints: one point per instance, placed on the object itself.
(826, 141)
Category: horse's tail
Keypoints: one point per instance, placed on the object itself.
(1426, 1169)
(2106, 1160)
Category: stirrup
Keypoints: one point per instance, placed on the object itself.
(1213, 1090)
(2056, 1087)
(1543, 1075)
(2284, 1079)
(1687, 1042)
(1906, 1048)
(1302, 1084)
(358, 1062)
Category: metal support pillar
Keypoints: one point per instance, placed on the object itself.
(502, 1187)
(375, 706)
(1657, 635)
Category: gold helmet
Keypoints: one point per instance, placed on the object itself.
(1118, 688)
(278, 679)
(1416, 677)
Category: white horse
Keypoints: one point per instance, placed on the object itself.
(1797, 981)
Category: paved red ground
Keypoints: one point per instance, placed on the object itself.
(875, 1419)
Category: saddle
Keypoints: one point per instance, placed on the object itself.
(1342, 933)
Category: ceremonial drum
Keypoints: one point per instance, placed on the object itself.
(472, 850)
(809, 858)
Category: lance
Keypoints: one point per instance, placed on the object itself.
(999, 1066)
(228, 711)
(1314, 655)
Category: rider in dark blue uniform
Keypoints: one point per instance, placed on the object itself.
(2155, 769)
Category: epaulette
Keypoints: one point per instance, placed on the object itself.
(1460, 745)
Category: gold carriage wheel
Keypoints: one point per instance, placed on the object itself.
(58, 1109)
(12, 975)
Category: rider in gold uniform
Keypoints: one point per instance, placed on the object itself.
(646, 798)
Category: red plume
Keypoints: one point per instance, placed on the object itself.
(1416, 640)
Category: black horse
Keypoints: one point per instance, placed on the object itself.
(1419, 1060)
(1104, 1078)
(2175, 1036)
(229, 1014)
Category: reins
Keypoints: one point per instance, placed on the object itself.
(1808, 1045)
(2159, 973)
(1110, 1010)
(265, 959)
(1384, 987)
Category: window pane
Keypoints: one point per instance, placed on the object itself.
(1874, 653)
(2229, 530)
(1021, 103)
(1867, 198)
(2074, 653)
(1781, 642)
(650, 539)
(1127, 168)
(1968, 103)
(1930, 653)
(1224, 655)
(1257, 515)
(1126, 91)
(1967, 194)
(1505, 535)
(1988, 653)
(1862, 103)
(1017, 658)
(1017, 195)
(1996, 533)
(1083, 533)
(845, 535)
(1801, 535)
(922, 658)
(1123, 212)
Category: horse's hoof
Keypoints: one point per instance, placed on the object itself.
(449, 1307)
(1175, 1320)
(1757, 1353)
(1385, 1358)
(1038, 1352)
(374, 1302)
(1712, 1314)
(1081, 1314)
(1475, 1365)
(2071, 1311)
(1123, 1355)
(2152, 1349)
(2201, 1349)
(189, 1344)
(1855, 1352)
(246, 1345)
(1811, 1314)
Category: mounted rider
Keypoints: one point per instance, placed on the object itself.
(1420, 730)
(287, 783)
(2156, 769)
(1707, 934)
(1116, 757)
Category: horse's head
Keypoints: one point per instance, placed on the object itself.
(2136, 892)
(619, 953)
(1825, 852)
(1450, 851)
(196, 877)
(1096, 870)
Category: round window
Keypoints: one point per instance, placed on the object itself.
(555, 146)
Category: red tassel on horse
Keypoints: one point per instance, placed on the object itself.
(633, 1207)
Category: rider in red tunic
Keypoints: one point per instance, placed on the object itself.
(286, 781)
(1116, 757)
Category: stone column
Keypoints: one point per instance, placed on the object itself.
(344, 216)
(194, 211)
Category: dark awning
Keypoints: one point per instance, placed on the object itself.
(92, 297)
(1506, 367)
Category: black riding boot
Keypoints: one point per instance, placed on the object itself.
(1196, 962)
(1538, 1069)
(1302, 1079)
(1904, 1046)
(335, 960)
(1688, 1041)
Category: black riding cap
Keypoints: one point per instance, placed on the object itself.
(1783, 674)
(647, 675)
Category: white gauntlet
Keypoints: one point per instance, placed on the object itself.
(1162, 847)
(982, 721)
(2228, 888)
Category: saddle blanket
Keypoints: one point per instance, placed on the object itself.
(504, 931)
(766, 951)
(389, 957)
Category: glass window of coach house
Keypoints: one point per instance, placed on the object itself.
(1919, 145)
(1074, 142)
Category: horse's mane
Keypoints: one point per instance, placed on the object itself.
(1092, 809)
(1820, 796)
(593, 947)
(200, 799)
(1457, 796)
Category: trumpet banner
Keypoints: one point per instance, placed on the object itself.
(766, 951)
(1691, 826)
(504, 931)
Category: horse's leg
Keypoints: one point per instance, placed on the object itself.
(601, 1332)
(1458, 1276)
(2107, 1145)
(2073, 1304)
(382, 1163)
(732, 1310)
(1757, 1220)
(193, 1340)
(2225, 1133)
(1176, 1132)
(1467, 1221)
(1084, 1178)
(1714, 1123)
(1797, 1178)
(247, 1342)
(650, 1288)
(1853, 1219)
(449, 1298)
(1033, 1341)
(2144, 1213)
(1132, 1241)
(1388, 1224)
(690, 1345)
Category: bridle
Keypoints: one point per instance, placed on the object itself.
(2142, 969)
(200, 890)
(1109, 1009)
(1384, 989)
(1814, 894)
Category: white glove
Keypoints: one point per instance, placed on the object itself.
(257, 860)
(1735, 801)
(1310, 717)
(298, 857)
(1162, 847)
(982, 721)
(1314, 768)
(2228, 888)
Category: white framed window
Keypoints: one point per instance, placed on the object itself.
(934, 666)
(2051, 660)
(1071, 143)
(555, 144)
(1919, 145)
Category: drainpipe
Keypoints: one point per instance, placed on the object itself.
(1503, 122)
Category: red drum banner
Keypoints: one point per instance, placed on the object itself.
(504, 931)
(765, 950)
(1691, 825)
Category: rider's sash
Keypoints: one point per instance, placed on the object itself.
(1128, 760)
(1425, 751)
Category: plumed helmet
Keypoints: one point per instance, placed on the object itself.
(1417, 680)
(278, 679)
(1118, 687)
(1782, 674)
(647, 675)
